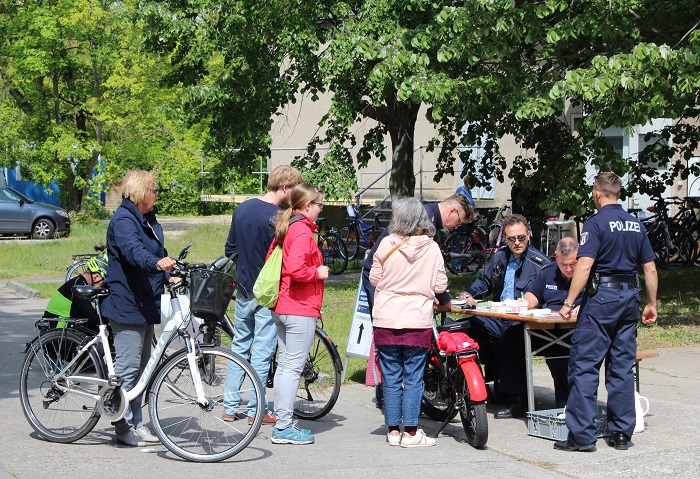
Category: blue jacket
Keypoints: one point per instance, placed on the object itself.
(134, 245)
(490, 281)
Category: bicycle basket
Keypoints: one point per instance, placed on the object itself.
(210, 293)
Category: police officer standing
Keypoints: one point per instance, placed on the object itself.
(613, 244)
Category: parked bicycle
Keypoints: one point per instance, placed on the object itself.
(335, 254)
(68, 381)
(673, 245)
(359, 235)
(319, 387)
(687, 217)
(79, 261)
(454, 383)
(467, 253)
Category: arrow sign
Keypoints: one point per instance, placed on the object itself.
(359, 336)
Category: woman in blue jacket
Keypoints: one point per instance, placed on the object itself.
(138, 261)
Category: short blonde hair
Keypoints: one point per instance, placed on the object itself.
(136, 184)
(282, 176)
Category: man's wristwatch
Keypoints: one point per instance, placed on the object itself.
(570, 306)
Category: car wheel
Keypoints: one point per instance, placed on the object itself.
(43, 229)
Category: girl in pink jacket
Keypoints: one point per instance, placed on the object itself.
(408, 271)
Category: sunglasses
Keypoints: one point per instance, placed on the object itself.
(520, 238)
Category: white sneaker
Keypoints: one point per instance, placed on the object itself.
(144, 433)
(131, 439)
(393, 439)
(419, 440)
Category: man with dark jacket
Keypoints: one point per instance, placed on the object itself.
(254, 331)
(508, 276)
(448, 213)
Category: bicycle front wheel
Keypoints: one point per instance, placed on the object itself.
(473, 415)
(349, 236)
(335, 255)
(675, 251)
(60, 416)
(319, 385)
(196, 432)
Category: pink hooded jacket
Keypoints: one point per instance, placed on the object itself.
(406, 282)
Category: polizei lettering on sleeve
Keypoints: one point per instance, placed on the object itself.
(624, 226)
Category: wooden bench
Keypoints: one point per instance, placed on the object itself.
(640, 356)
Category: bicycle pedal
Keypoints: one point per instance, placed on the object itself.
(115, 381)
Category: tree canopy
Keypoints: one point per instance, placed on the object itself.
(180, 86)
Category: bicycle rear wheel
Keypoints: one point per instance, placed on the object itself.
(60, 416)
(335, 255)
(349, 235)
(459, 254)
(198, 433)
(319, 386)
(78, 267)
(473, 415)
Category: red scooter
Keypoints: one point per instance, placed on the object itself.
(454, 382)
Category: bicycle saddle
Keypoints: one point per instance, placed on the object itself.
(90, 292)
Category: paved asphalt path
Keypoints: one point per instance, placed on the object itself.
(350, 440)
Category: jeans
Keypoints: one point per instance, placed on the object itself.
(402, 383)
(132, 344)
(254, 338)
(295, 335)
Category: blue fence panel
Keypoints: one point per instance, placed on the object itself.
(33, 190)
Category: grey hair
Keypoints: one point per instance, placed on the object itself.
(409, 218)
(566, 246)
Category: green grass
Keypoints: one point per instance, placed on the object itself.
(679, 295)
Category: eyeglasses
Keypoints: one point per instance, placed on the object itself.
(320, 205)
(520, 238)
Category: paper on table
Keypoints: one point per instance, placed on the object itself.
(538, 312)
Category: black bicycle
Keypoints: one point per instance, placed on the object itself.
(335, 254)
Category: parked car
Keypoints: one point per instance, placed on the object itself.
(21, 216)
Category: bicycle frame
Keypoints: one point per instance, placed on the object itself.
(177, 322)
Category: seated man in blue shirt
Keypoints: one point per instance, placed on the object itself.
(509, 275)
(550, 290)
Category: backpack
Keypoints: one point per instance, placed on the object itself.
(267, 286)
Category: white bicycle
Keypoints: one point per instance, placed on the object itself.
(68, 382)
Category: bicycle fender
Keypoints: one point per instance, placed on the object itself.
(474, 378)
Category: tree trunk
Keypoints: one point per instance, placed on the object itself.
(401, 125)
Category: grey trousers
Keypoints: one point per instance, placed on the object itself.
(133, 349)
(295, 335)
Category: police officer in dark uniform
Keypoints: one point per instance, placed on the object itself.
(613, 244)
(549, 290)
(508, 276)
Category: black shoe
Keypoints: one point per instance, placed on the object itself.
(619, 441)
(517, 408)
(570, 445)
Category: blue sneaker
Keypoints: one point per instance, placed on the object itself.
(291, 435)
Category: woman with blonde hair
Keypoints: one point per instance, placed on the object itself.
(135, 277)
(409, 273)
(298, 305)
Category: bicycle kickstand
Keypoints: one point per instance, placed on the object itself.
(445, 422)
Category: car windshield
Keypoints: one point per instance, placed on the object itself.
(8, 194)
